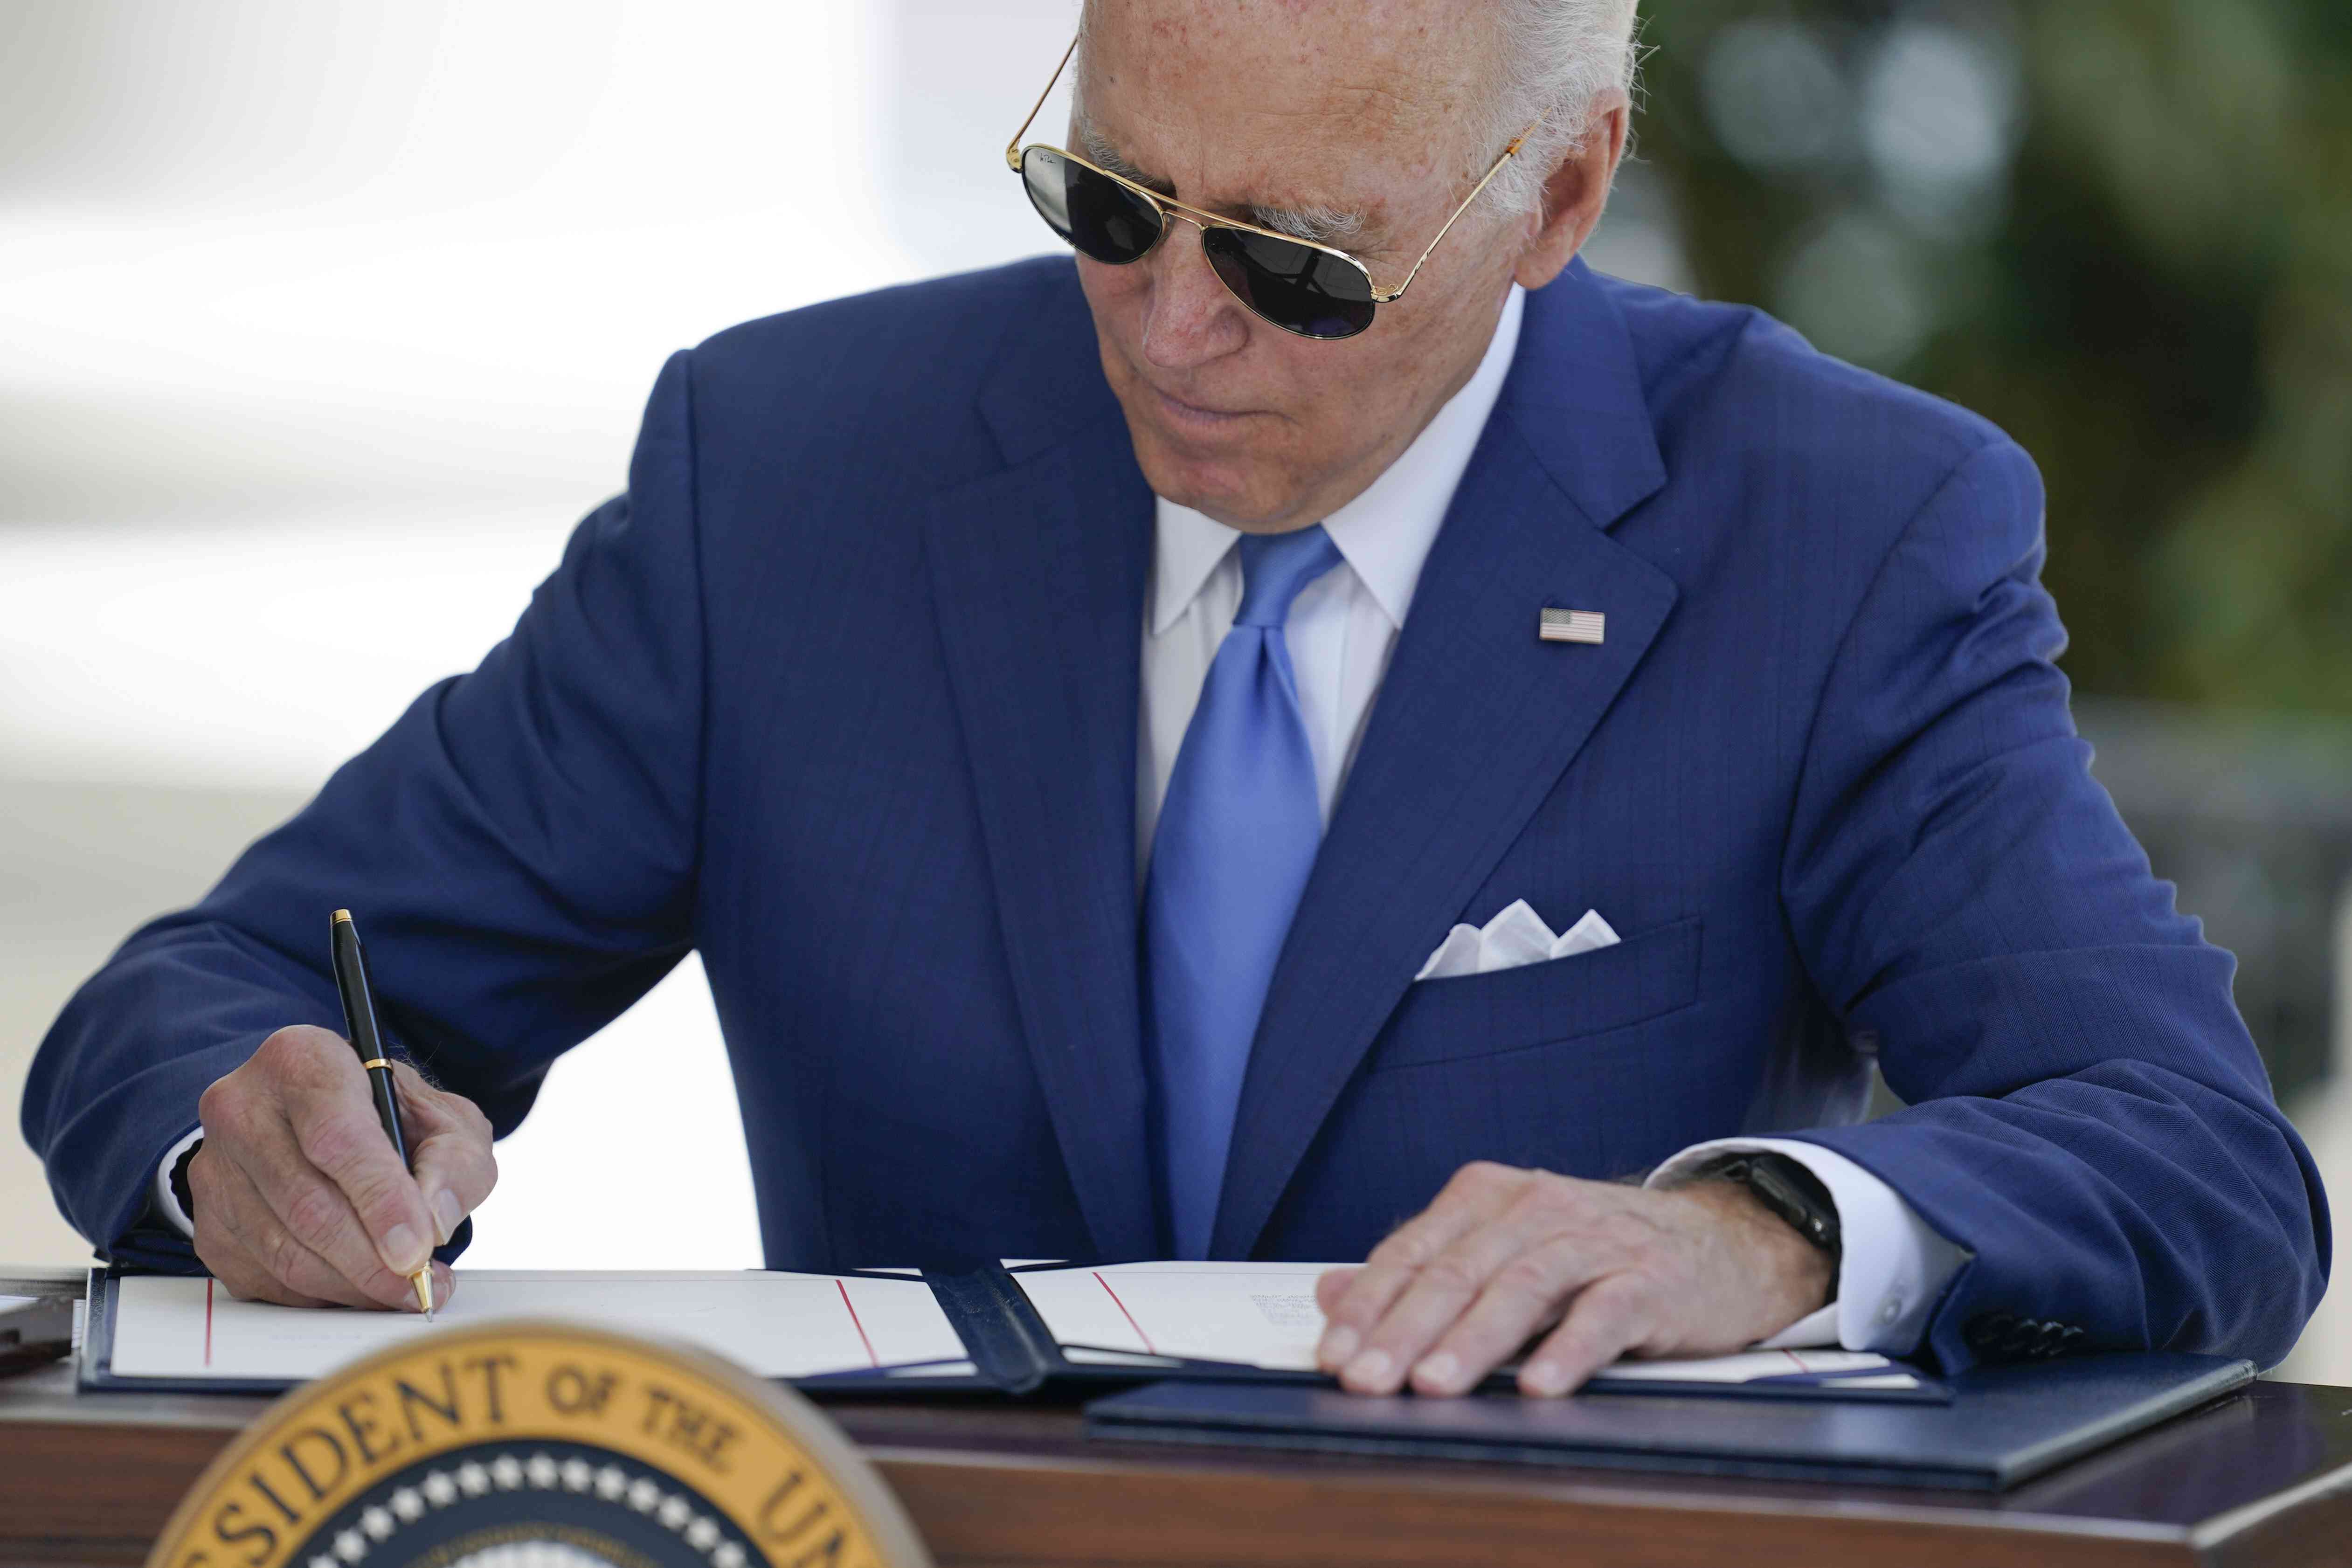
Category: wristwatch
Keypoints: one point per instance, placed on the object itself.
(1786, 1187)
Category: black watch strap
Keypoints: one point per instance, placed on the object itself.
(1786, 1187)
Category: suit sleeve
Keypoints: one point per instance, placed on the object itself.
(520, 849)
(2087, 1114)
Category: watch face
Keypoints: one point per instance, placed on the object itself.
(536, 1445)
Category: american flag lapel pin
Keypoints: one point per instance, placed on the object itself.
(1573, 626)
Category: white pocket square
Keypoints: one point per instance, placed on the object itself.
(1516, 936)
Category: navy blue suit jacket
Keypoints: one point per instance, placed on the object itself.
(842, 693)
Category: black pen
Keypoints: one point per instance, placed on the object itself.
(359, 1023)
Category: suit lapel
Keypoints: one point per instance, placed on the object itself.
(1038, 573)
(1476, 720)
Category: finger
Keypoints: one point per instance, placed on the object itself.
(1608, 1317)
(312, 1214)
(1331, 1287)
(220, 1247)
(1514, 1256)
(449, 1150)
(339, 1134)
(253, 1116)
(247, 1280)
(1332, 1284)
(1529, 1295)
(241, 1244)
(1476, 1194)
(455, 1171)
(267, 1145)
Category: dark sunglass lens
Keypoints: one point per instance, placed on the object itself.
(1297, 288)
(1100, 217)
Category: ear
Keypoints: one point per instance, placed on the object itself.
(1573, 199)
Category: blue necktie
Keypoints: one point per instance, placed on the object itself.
(1237, 836)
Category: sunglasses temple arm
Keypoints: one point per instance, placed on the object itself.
(1013, 148)
(1493, 170)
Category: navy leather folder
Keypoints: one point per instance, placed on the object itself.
(2004, 1426)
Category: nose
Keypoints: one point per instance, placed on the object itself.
(1192, 317)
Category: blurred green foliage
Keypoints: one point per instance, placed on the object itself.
(2122, 229)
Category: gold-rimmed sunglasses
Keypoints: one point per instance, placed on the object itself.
(1313, 291)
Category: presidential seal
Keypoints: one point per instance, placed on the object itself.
(539, 1445)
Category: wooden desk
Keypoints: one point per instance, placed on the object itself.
(2263, 1477)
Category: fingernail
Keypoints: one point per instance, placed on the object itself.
(447, 1214)
(1338, 1346)
(1371, 1367)
(1546, 1377)
(1440, 1370)
(404, 1251)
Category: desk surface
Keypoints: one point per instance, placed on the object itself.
(2262, 1477)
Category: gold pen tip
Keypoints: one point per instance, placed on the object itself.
(422, 1280)
(343, 917)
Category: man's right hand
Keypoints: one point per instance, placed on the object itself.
(298, 1196)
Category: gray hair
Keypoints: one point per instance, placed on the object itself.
(1561, 58)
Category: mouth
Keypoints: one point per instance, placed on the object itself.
(1193, 417)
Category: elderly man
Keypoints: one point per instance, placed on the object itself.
(1135, 745)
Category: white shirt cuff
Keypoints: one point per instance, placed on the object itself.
(1894, 1264)
(167, 1202)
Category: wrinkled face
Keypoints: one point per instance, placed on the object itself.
(1352, 116)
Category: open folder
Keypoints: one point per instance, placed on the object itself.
(1003, 1327)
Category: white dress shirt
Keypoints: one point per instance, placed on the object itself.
(1341, 630)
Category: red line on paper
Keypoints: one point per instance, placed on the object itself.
(855, 1324)
(208, 1323)
(1800, 1360)
(1124, 1314)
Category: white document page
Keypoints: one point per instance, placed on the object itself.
(1265, 1314)
(772, 1324)
(1257, 1315)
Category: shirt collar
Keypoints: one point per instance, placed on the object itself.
(1384, 534)
(1188, 548)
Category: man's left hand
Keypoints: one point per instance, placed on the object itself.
(1611, 1271)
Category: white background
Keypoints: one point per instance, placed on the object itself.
(320, 327)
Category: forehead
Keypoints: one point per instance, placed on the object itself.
(1354, 80)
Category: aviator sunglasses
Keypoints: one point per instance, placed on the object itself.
(1297, 284)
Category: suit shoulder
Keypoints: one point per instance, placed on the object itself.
(1729, 383)
(914, 348)
(943, 312)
